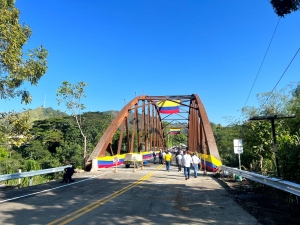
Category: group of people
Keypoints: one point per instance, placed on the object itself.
(188, 160)
(162, 157)
(183, 159)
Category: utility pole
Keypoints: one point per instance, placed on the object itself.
(272, 119)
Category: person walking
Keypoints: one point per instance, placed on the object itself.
(154, 157)
(168, 161)
(164, 155)
(160, 155)
(186, 162)
(195, 163)
(179, 161)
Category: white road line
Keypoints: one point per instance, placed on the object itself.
(35, 193)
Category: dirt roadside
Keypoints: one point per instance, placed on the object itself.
(268, 205)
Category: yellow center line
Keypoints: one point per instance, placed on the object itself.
(72, 216)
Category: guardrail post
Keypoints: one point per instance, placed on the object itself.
(30, 181)
(19, 180)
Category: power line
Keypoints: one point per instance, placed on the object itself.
(281, 77)
(262, 62)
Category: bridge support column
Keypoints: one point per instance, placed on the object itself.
(94, 165)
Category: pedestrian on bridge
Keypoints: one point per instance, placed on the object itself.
(163, 157)
(160, 155)
(168, 161)
(186, 162)
(179, 161)
(195, 163)
(154, 157)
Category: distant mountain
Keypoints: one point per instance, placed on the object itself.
(41, 114)
(113, 113)
(44, 113)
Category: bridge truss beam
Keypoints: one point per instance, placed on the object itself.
(139, 127)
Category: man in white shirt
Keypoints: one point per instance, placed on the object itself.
(186, 162)
(179, 161)
(164, 155)
(195, 163)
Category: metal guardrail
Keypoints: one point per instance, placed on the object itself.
(32, 173)
(283, 185)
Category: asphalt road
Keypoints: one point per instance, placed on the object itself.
(149, 196)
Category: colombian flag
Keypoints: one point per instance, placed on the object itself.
(175, 131)
(168, 107)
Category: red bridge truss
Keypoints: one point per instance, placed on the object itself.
(141, 127)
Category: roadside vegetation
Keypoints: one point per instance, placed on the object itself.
(258, 149)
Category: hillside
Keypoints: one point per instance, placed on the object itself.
(44, 113)
(41, 114)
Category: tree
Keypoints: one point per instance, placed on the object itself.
(257, 135)
(36, 151)
(14, 68)
(18, 129)
(224, 137)
(71, 95)
(178, 139)
(284, 7)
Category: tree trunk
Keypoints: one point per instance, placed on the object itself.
(260, 162)
(84, 153)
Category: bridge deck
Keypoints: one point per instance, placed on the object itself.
(149, 196)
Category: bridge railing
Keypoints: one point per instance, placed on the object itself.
(31, 174)
(283, 185)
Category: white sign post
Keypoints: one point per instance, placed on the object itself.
(116, 161)
(134, 169)
(238, 148)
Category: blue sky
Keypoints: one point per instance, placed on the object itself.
(120, 48)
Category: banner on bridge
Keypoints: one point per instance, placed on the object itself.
(175, 131)
(168, 107)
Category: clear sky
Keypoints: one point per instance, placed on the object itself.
(123, 49)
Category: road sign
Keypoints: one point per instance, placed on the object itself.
(238, 149)
(116, 160)
(238, 146)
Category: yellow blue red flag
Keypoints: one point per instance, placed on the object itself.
(168, 107)
(175, 131)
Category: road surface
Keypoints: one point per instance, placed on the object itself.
(125, 196)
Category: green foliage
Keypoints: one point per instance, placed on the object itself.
(294, 108)
(3, 153)
(257, 141)
(289, 155)
(71, 95)
(14, 69)
(9, 165)
(18, 129)
(36, 151)
(94, 124)
(178, 139)
(284, 7)
(28, 166)
(224, 137)
(61, 138)
(70, 154)
(258, 154)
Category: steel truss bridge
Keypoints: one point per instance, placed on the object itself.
(141, 127)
